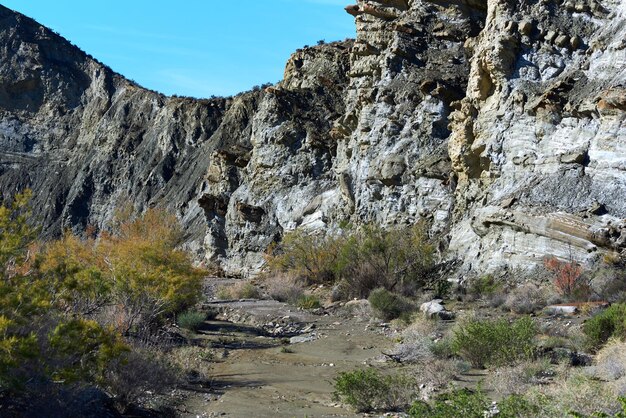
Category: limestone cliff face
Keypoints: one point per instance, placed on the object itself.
(539, 141)
(500, 122)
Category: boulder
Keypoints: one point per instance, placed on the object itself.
(302, 339)
(561, 309)
(435, 309)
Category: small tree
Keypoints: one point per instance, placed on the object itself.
(150, 278)
(38, 339)
(569, 279)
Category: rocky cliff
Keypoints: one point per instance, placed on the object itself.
(501, 123)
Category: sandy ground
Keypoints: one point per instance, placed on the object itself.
(261, 376)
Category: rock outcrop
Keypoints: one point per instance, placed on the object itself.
(501, 123)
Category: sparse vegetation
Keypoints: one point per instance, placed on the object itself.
(284, 287)
(240, 290)
(459, 403)
(484, 286)
(103, 306)
(526, 299)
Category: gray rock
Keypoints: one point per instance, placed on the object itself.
(525, 27)
(561, 309)
(435, 309)
(436, 113)
(302, 339)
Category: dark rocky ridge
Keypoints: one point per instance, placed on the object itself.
(502, 123)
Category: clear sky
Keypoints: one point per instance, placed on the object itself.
(193, 47)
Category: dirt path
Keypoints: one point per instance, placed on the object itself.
(261, 376)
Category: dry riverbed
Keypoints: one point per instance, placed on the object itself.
(274, 360)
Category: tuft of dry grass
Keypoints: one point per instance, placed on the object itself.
(438, 374)
(191, 361)
(526, 299)
(517, 380)
(239, 290)
(576, 391)
(610, 362)
(285, 287)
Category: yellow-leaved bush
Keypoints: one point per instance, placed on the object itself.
(67, 306)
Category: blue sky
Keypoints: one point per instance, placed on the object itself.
(193, 47)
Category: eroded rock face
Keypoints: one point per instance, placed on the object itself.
(541, 127)
(499, 122)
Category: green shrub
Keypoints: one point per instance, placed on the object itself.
(396, 259)
(308, 302)
(245, 291)
(473, 404)
(191, 320)
(369, 390)
(223, 293)
(495, 343)
(442, 288)
(610, 323)
(40, 337)
(518, 406)
(442, 349)
(459, 403)
(484, 286)
(388, 305)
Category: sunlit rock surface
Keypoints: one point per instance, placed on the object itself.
(500, 123)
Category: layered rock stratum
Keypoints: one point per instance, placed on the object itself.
(500, 123)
